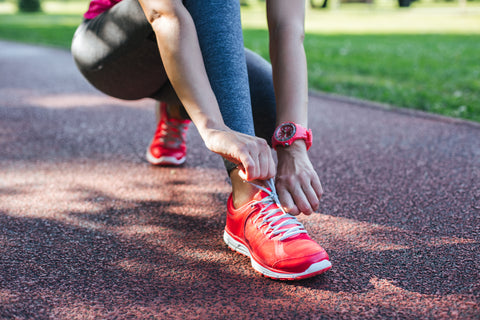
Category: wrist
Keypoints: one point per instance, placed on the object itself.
(297, 148)
(209, 127)
(287, 133)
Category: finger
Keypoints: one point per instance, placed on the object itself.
(272, 167)
(248, 170)
(264, 166)
(287, 202)
(253, 168)
(265, 159)
(301, 200)
(317, 187)
(242, 173)
(269, 165)
(257, 167)
(311, 196)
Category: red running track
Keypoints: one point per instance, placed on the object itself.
(89, 230)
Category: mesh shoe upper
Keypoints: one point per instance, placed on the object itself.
(168, 145)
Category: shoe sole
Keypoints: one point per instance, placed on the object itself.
(313, 270)
(165, 160)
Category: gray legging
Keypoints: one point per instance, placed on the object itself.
(117, 53)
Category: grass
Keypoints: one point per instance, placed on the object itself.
(429, 72)
(47, 29)
(425, 57)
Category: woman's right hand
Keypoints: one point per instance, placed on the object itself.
(252, 154)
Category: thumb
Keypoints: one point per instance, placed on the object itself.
(242, 173)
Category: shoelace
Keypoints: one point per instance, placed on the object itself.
(171, 133)
(270, 217)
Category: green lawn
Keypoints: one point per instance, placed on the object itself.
(48, 29)
(430, 72)
(424, 57)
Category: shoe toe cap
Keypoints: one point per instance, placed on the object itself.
(303, 256)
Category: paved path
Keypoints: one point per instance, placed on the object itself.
(89, 230)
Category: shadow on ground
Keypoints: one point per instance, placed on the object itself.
(88, 229)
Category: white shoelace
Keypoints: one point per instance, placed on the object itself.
(270, 217)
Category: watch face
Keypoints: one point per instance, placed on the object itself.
(285, 132)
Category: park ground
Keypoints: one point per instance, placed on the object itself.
(90, 230)
(423, 57)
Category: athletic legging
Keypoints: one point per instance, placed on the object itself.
(117, 53)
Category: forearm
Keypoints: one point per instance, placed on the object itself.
(287, 54)
(298, 186)
(182, 59)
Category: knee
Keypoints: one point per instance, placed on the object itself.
(257, 66)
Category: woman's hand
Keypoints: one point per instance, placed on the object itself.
(298, 186)
(252, 155)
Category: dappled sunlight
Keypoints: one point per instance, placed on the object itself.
(380, 17)
(105, 235)
(90, 230)
(8, 7)
(7, 296)
(148, 240)
(381, 298)
(421, 304)
(65, 101)
(53, 192)
(15, 94)
(364, 236)
(189, 257)
(392, 297)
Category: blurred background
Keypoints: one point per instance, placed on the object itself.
(418, 54)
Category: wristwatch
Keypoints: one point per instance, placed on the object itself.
(287, 132)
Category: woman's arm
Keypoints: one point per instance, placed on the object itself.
(286, 31)
(297, 183)
(181, 55)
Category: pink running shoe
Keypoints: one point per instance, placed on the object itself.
(276, 242)
(168, 145)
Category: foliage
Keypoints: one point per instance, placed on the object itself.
(29, 5)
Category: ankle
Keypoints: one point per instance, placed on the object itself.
(176, 112)
(242, 191)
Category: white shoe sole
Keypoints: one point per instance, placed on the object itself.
(313, 270)
(165, 160)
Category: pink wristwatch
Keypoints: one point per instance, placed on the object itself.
(287, 132)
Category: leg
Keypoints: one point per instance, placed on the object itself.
(262, 95)
(118, 55)
(220, 36)
(263, 107)
(264, 115)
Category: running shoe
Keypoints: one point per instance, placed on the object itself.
(276, 242)
(168, 146)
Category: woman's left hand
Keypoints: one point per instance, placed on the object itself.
(298, 186)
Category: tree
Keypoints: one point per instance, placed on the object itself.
(314, 4)
(404, 3)
(29, 5)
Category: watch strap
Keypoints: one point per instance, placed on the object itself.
(300, 133)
